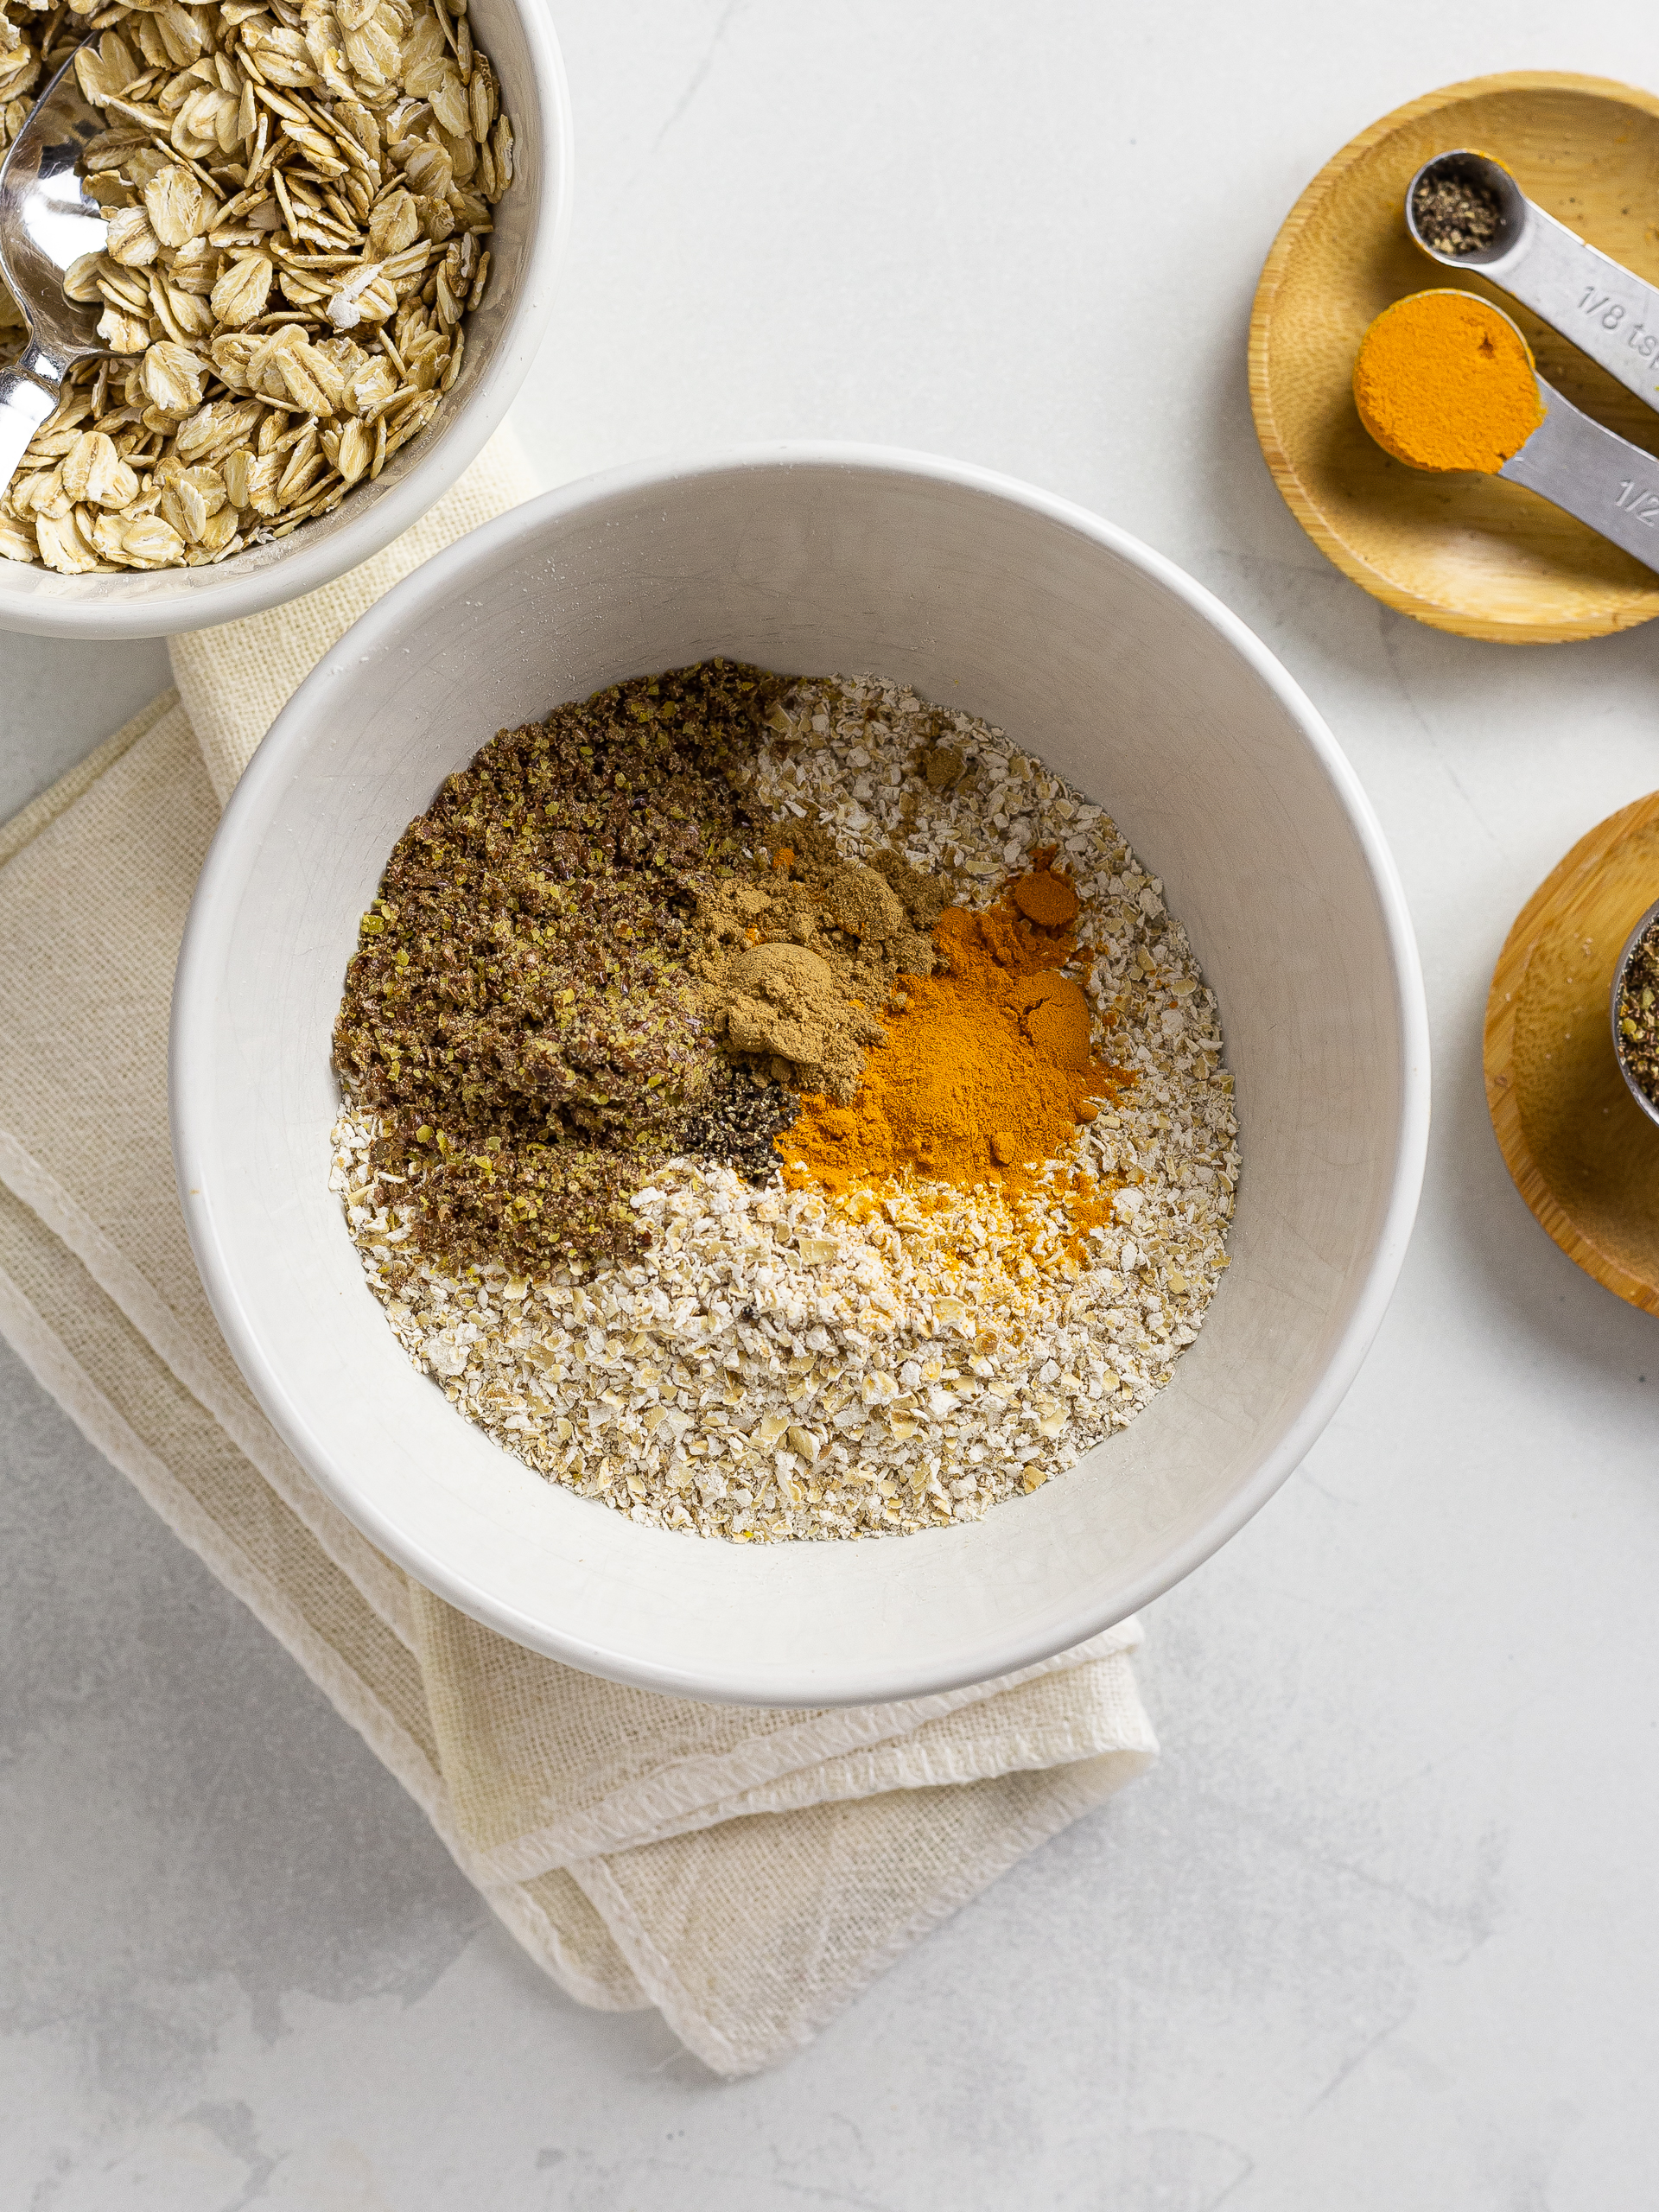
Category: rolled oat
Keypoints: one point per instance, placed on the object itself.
(299, 198)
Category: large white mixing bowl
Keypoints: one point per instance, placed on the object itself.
(1087, 648)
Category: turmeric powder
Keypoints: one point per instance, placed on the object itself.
(1445, 381)
(1046, 897)
(986, 1073)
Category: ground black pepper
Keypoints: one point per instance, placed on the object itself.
(1638, 1014)
(1456, 214)
(519, 1013)
(735, 1121)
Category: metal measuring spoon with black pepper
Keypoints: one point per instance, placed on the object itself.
(1466, 211)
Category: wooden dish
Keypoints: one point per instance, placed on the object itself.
(1465, 553)
(1583, 1154)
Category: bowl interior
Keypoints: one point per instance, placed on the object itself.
(1467, 553)
(531, 223)
(1091, 652)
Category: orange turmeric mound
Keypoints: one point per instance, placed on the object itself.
(987, 1072)
(1445, 380)
(1046, 897)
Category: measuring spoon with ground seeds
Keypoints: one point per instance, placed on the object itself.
(1606, 311)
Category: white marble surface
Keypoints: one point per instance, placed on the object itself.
(1380, 1931)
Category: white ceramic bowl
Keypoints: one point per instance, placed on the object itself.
(531, 224)
(1085, 646)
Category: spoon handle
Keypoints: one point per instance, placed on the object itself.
(1593, 474)
(25, 403)
(1608, 311)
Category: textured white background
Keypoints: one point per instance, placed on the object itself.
(1381, 1931)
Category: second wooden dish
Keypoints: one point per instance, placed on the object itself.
(1583, 1155)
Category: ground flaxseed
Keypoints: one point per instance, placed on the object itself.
(519, 1015)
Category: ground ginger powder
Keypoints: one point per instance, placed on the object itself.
(799, 955)
(782, 1002)
(986, 1073)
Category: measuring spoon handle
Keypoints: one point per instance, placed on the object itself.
(1594, 474)
(1607, 312)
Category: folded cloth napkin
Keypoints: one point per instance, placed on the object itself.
(746, 1871)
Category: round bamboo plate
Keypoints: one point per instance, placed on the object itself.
(1583, 1154)
(1464, 553)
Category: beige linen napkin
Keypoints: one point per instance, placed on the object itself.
(748, 1872)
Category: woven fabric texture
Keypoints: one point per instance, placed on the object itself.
(746, 1872)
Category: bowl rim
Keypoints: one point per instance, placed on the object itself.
(312, 564)
(212, 911)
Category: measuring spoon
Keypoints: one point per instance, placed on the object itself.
(1594, 474)
(1607, 313)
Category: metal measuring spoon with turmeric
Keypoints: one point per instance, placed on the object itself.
(1444, 382)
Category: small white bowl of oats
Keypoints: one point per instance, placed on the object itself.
(333, 235)
(800, 1077)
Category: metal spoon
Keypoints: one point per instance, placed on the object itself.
(48, 221)
(1607, 313)
(1593, 474)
